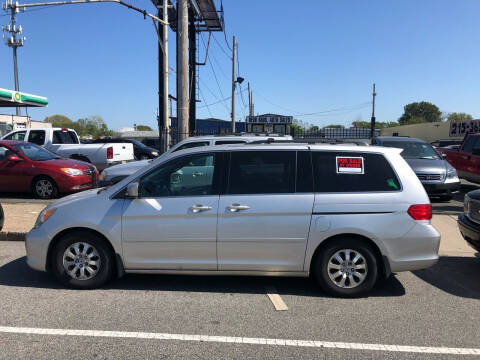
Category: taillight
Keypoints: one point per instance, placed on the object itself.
(110, 152)
(420, 212)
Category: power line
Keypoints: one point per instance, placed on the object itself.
(206, 105)
(221, 48)
(219, 101)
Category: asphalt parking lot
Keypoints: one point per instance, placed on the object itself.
(431, 314)
(153, 316)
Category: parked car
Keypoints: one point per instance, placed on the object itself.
(469, 221)
(445, 143)
(348, 215)
(117, 173)
(26, 167)
(466, 159)
(65, 143)
(140, 151)
(2, 217)
(152, 142)
(437, 176)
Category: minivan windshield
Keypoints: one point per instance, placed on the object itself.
(414, 149)
(34, 152)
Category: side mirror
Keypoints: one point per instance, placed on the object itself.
(132, 190)
(14, 158)
(444, 155)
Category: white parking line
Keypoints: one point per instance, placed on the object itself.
(242, 340)
(276, 300)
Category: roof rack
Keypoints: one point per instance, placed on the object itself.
(250, 134)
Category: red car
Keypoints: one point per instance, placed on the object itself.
(26, 167)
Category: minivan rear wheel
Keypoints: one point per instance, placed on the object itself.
(82, 260)
(346, 268)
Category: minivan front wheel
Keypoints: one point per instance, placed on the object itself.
(82, 260)
(346, 268)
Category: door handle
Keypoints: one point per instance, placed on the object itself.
(197, 173)
(237, 207)
(197, 208)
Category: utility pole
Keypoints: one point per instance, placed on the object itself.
(182, 70)
(192, 60)
(372, 121)
(164, 118)
(234, 80)
(13, 41)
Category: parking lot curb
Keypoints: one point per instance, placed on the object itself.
(12, 236)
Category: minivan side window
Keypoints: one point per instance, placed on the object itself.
(37, 137)
(262, 172)
(192, 145)
(186, 176)
(352, 172)
(19, 136)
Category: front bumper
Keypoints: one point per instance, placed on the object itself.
(36, 246)
(470, 231)
(439, 189)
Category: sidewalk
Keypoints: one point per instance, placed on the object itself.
(20, 218)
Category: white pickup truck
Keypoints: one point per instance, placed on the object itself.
(65, 143)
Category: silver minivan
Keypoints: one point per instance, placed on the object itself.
(347, 215)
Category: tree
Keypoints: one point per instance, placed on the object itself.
(419, 112)
(334, 127)
(378, 124)
(144, 128)
(57, 118)
(458, 117)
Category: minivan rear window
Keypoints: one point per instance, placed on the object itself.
(352, 172)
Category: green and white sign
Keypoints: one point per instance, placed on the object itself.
(10, 98)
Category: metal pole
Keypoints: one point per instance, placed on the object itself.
(234, 59)
(372, 121)
(165, 115)
(182, 70)
(14, 47)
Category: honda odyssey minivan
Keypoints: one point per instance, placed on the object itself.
(345, 215)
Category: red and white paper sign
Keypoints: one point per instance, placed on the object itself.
(350, 165)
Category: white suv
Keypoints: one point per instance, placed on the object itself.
(119, 172)
(347, 215)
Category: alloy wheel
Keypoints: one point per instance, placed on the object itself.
(81, 261)
(44, 188)
(347, 268)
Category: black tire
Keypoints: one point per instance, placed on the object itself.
(44, 187)
(322, 271)
(106, 260)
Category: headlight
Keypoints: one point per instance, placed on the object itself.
(45, 214)
(154, 153)
(103, 175)
(452, 176)
(72, 172)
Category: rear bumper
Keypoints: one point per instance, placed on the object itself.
(470, 231)
(442, 188)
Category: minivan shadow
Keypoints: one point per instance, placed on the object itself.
(455, 275)
(17, 273)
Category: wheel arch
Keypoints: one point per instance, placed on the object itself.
(382, 261)
(119, 269)
(80, 157)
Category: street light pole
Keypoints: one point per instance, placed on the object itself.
(234, 80)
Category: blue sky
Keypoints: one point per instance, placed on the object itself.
(319, 55)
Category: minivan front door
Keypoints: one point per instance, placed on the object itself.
(264, 217)
(172, 224)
